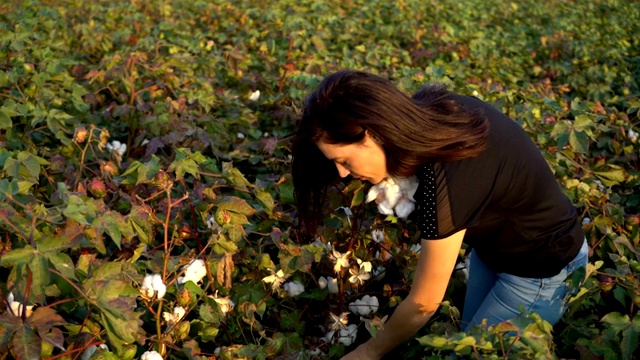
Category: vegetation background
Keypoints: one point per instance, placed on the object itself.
(133, 141)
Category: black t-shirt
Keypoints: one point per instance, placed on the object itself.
(517, 217)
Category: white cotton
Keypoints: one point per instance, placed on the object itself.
(328, 336)
(195, 271)
(15, 307)
(392, 193)
(364, 306)
(408, 186)
(153, 285)
(240, 136)
(385, 208)
(254, 96)
(348, 336)
(364, 265)
(387, 255)
(332, 285)
(172, 318)
(322, 282)
(211, 222)
(377, 235)
(151, 355)
(224, 303)
(586, 221)
(373, 193)
(404, 208)
(294, 288)
(633, 136)
(415, 248)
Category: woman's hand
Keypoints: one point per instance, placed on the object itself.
(362, 352)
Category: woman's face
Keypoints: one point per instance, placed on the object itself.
(364, 160)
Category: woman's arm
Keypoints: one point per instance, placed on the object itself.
(433, 272)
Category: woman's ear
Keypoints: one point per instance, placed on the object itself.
(370, 136)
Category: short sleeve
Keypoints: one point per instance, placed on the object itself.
(427, 202)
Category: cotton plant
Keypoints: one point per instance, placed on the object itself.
(174, 317)
(117, 147)
(195, 271)
(153, 286)
(16, 307)
(276, 279)
(224, 303)
(365, 306)
(294, 288)
(394, 196)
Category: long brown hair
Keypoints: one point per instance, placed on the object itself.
(429, 127)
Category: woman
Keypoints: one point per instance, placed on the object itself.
(481, 181)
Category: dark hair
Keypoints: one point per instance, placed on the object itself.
(429, 127)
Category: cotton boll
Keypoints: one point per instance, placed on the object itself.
(294, 288)
(348, 336)
(151, 355)
(586, 221)
(328, 336)
(377, 235)
(408, 186)
(15, 307)
(194, 271)
(254, 95)
(392, 194)
(322, 282)
(332, 285)
(415, 248)
(404, 208)
(153, 285)
(385, 208)
(373, 193)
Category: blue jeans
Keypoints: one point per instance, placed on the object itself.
(498, 297)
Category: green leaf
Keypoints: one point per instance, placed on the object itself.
(579, 141)
(80, 209)
(616, 321)
(5, 118)
(139, 219)
(40, 275)
(629, 342)
(26, 343)
(611, 177)
(582, 121)
(63, 263)
(115, 225)
(621, 295)
(235, 177)
(17, 256)
(266, 200)
(235, 204)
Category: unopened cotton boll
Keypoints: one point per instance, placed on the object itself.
(348, 336)
(294, 288)
(195, 271)
(153, 285)
(151, 355)
(404, 208)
